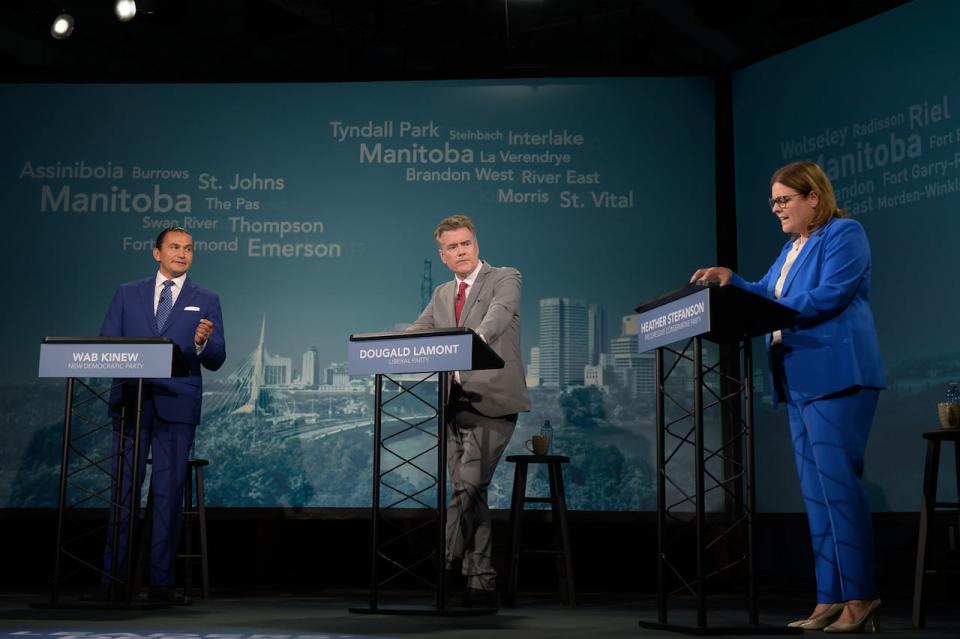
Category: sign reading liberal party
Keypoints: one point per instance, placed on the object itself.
(410, 355)
(680, 319)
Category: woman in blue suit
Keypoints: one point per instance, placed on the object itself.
(828, 371)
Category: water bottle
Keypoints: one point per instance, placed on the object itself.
(547, 431)
(953, 393)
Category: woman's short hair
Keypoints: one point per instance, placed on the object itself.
(807, 177)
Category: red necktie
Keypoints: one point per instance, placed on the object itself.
(460, 301)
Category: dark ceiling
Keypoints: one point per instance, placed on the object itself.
(310, 41)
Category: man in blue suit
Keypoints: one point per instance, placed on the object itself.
(167, 305)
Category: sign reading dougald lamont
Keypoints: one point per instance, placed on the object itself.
(414, 354)
(106, 360)
(674, 321)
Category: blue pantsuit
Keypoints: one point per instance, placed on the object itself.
(829, 437)
(827, 369)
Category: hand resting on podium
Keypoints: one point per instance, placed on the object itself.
(715, 274)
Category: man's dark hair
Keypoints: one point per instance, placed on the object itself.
(172, 229)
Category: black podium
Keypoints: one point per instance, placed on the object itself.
(694, 546)
(396, 358)
(87, 462)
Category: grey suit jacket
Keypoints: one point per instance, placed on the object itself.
(493, 311)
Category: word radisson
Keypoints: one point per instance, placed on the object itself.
(673, 316)
(406, 351)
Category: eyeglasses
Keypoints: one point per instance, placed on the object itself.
(783, 200)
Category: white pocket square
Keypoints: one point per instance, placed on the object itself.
(192, 308)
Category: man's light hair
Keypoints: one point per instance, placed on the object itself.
(453, 223)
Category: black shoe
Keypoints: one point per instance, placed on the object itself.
(478, 598)
(166, 595)
(453, 584)
(102, 595)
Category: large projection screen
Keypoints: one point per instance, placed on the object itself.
(313, 208)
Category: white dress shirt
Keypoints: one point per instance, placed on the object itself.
(174, 294)
(174, 290)
(470, 279)
(777, 336)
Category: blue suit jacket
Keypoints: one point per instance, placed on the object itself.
(834, 344)
(131, 315)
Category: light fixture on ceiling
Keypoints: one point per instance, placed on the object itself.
(62, 26)
(125, 10)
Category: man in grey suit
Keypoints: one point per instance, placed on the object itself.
(484, 405)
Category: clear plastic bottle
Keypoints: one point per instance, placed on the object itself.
(547, 431)
(953, 393)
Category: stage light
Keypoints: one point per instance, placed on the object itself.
(62, 26)
(125, 10)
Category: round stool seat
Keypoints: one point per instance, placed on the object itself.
(943, 434)
(538, 459)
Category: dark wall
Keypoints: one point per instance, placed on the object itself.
(313, 551)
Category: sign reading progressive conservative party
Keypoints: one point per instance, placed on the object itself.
(674, 321)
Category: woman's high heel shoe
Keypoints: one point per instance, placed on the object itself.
(821, 621)
(868, 619)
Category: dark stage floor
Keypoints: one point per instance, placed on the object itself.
(299, 616)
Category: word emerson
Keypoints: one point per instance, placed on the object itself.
(407, 351)
(122, 358)
(673, 316)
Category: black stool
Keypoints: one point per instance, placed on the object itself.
(928, 510)
(558, 506)
(194, 511)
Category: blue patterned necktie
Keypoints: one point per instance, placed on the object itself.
(165, 305)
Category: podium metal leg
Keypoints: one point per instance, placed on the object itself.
(753, 613)
(700, 471)
(738, 483)
(661, 491)
(439, 606)
(120, 492)
(62, 492)
(443, 383)
(375, 507)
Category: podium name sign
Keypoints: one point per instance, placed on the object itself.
(420, 355)
(106, 360)
(677, 320)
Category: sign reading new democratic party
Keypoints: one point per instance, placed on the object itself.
(674, 321)
(105, 358)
